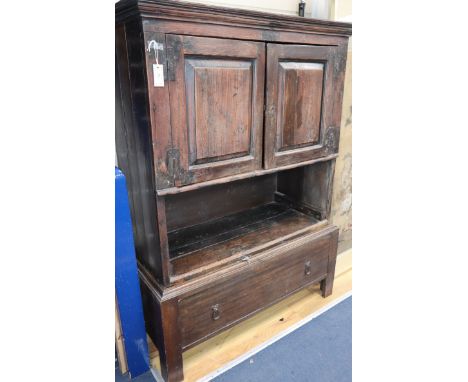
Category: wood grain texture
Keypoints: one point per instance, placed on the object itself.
(233, 245)
(241, 295)
(160, 119)
(134, 147)
(222, 92)
(301, 91)
(209, 203)
(246, 175)
(224, 224)
(119, 341)
(161, 325)
(313, 251)
(310, 186)
(257, 33)
(181, 10)
(206, 234)
(227, 346)
(326, 285)
(212, 227)
(166, 268)
(300, 104)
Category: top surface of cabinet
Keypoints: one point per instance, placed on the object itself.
(244, 92)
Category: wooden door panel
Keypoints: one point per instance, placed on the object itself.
(220, 94)
(301, 104)
(216, 91)
(301, 87)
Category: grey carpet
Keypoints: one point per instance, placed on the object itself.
(319, 351)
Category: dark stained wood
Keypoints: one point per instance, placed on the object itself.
(161, 324)
(230, 214)
(220, 111)
(217, 201)
(221, 90)
(135, 151)
(326, 285)
(163, 240)
(158, 99)
(208, 203)
(246, 175)
(207, 234)
(181, 10)
(298, 205)
(301, 104)
(124, 142)
(310, 185)
(301, 91)
(251, 234)
(240, 295)
(194, 28)
(220, 103)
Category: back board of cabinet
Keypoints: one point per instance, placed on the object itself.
(227, 129)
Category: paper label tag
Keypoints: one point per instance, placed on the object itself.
(158, 75)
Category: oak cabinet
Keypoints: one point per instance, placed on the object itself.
(227, 130)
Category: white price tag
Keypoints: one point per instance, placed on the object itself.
(158, 75)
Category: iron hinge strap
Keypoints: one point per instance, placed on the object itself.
(173, 158)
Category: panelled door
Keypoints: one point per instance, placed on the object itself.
(301, 94)
(216, 89)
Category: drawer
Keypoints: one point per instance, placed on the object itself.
(261, 282)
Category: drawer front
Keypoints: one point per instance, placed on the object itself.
(261, 284)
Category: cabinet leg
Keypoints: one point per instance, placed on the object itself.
(326, 285)
(161, 325)
(171, 365)
(170, 350)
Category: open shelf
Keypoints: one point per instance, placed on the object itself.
(222, 225)
(200, 247)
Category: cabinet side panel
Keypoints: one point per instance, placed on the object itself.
(310, 185)
(317, 186)
(133, 143)
(335, 103)
(158, 101)
(124, 155)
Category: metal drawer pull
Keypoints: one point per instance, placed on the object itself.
(307, 268)
(215, 312)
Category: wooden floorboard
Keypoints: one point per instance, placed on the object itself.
(119, 341)
(224, 348)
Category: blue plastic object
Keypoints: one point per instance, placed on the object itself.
(127, 286)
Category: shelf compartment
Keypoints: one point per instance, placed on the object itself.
(204, 247)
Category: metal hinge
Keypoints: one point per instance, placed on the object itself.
(173, 159)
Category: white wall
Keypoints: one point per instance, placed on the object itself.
(320, 8)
